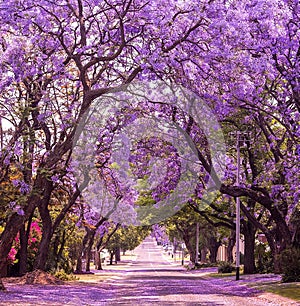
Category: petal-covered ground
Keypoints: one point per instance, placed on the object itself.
(148, 279)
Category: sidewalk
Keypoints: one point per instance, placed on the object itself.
(108, 272)
(251, 282)
(174, 260)
(126, 260)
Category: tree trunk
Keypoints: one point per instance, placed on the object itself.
(79, 264)
(271, 236)
(89, 251)
(82, 252)
(41, 260)
(249, 231)
(275, 248)
(277, 262)
(231, 244)
(213, 246)
(98, 263)
(13, 225)
(55, 250)
(59, 254)
(23, 253)
(111, 258)
(203, 254)
(191, 249)
(47, 232)
(88, 261)
(118, 254)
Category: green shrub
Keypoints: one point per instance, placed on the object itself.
(201, 265)
(62, 275)
(290, 263)
(225, 267)
(264, 259)
(207, 264)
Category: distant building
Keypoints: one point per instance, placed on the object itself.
(222, 251)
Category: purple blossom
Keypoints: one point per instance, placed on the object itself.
(20, 211)
(55, 178)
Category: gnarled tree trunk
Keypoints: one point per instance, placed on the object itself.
(191, 248)
(249, 231)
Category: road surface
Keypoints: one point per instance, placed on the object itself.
(151, 279)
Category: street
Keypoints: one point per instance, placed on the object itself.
(149, 279)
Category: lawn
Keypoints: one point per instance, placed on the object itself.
(288, 290)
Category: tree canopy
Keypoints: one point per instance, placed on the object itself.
(147, 81)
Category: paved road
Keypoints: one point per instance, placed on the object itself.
(149, 280)
(153, 280)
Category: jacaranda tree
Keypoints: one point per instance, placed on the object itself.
(57, 58)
